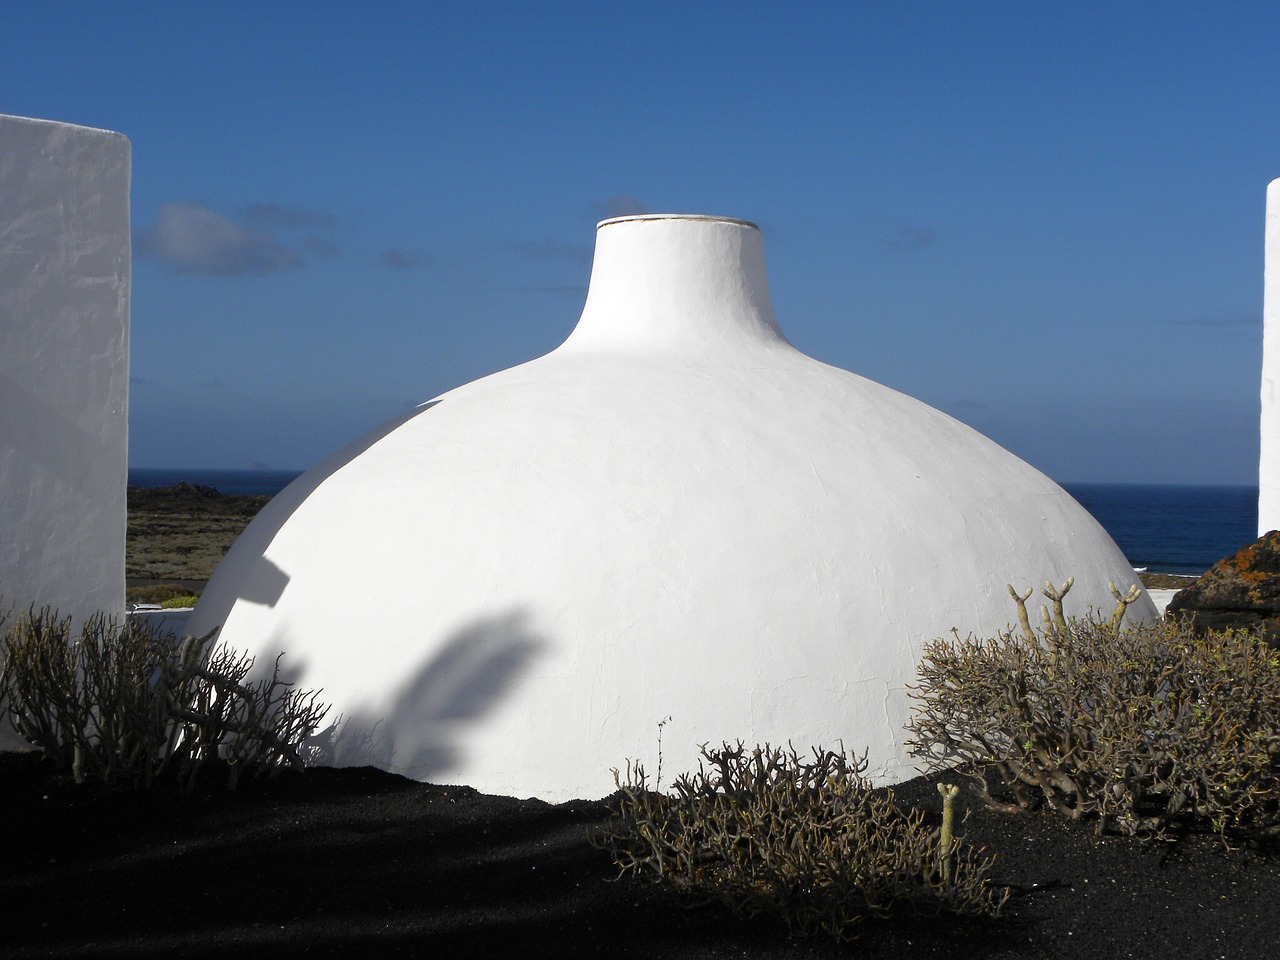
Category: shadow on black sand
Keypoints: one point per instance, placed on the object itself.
(361, 863)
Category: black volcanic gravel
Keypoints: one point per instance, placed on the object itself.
(360, 863)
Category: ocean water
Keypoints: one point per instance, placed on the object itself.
(1167, 529)
(1173, 529)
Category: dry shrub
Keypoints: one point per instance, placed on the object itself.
(1148, 728)
(125, 703)
(765, 832)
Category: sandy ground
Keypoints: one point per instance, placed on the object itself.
(1161, 599)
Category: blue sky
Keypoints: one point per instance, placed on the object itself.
(1046, 220)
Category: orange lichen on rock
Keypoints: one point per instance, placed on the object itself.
(1242, 590)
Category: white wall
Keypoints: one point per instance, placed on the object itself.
(1269, 466)
(64, 367)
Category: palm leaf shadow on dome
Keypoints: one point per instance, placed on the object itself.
(417, 732)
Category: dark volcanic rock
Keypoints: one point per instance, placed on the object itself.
(1241, 591)
(194, 497)
(1166, 581)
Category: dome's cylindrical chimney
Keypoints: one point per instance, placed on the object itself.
(677, 281)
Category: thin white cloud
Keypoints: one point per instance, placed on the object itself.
(898, 233)
(912, 236)
(400, 259)
(322, 248)
(191, 238)
(275, 216)
(551, 249)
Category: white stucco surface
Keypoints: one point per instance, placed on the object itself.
(674, 514)
(64, 370)
(1269, 462)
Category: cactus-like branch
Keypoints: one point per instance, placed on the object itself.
(1021, 600)
(946, 839)
(1059, 618)
(1122, 601)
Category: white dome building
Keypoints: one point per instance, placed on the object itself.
(674, 518)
